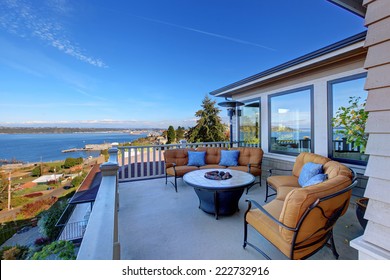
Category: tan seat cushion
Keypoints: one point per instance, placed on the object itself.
(180, 170)
(278, 181)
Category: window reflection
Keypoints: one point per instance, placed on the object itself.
(291, 121)
(250, 124)
(341, 92)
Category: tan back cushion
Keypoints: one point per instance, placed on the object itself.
(213, 154)
(334, 168)
(177, 156)
(306, 157)
(250, 155)
(299, 199)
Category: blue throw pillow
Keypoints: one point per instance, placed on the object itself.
(316, 179)
(196, 158)
(229, 158)
(308, 171)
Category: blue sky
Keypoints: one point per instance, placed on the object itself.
(146, 63)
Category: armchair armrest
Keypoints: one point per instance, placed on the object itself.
(250, 165)
(171, 164)
(258, 206)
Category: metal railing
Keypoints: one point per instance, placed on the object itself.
(73, 231)
(141, 162)
(343, 146)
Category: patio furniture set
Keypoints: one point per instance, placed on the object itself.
(308, 201)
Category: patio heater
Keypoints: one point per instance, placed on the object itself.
(231, 110)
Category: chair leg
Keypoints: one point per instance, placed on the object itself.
(248, 188)
(333, 246)
(245, 233)
(175, 184)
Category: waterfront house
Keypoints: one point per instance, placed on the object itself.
(46, 179)
(298, 96)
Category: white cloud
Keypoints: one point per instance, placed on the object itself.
(22, 19)
(224, 37)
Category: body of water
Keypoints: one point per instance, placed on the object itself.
(48, 147)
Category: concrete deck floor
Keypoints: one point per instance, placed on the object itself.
(156, 223)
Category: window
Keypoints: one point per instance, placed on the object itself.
(250, 124)
(340, 93)
(291, 121)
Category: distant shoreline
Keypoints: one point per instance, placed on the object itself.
(59, 130)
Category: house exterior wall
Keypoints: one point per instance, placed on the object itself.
(375, 244)
(318, 78)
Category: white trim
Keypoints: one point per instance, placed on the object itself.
(370, 250)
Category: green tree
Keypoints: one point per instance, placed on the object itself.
(209, 126)
(171, 135)
(36, 172)
(352, 122)
(180, 133)
(76, 181)
(70, 162)
(49, 219)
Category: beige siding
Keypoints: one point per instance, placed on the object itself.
(375, 243)
(378, 122)
(378, 99)
(378, 190)
(378, 145)
(378, 55)
(378, 77)
(380, 32)
(378, 10)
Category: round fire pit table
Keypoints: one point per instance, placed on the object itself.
(219, 197)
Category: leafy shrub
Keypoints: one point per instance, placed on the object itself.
(57, 250)
(78, 180)
(47, 222)
(17, 252)
(70, 162)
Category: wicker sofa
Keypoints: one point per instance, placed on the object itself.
(300, 220)
(176, 161)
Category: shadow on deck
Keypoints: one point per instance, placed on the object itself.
(156, 223)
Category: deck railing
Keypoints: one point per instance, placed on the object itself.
(73, 231)
(141, 162)
(101, 240)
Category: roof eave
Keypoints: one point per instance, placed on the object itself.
(356, 41)
(354, 6)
